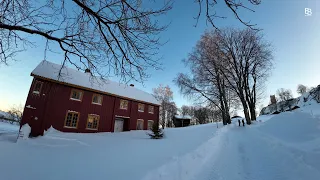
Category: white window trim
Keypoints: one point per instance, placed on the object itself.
(142, 124)
(143, 107)
(127, 104)
(125, 117)
(30, 107)
(96, 103)
(150, 112)
(75, 99)
(148, 123)
(91, 129)
(98, 121)
(36, 92)
(70, 127)
(73, 111)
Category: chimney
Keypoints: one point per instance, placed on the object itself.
(87, 71)
(132, 85)
(273, 99)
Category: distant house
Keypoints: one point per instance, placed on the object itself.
(76, 102)
(236, 118)
(181, 121)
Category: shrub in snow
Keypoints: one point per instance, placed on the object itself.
(156, 133)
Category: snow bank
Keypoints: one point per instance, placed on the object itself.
(25, 131)
(298, 132)
(118, 156)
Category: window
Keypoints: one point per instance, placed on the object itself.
(37, 87)
(93, 121)
(141, 107)
(151, 108)
(150, 124)
(123, 104)
(76, 95)
(72, 119)
(97, 99)
(140, 124)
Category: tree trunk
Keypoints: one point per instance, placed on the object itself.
(228, 119)
(253, 112)
(245, 110)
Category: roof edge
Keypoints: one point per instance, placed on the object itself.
(89, 89)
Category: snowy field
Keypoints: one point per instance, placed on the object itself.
(6, 127)
(277, 147)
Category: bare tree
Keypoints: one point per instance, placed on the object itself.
(315, 93)
(206, 81)
(201, 114)
(247, 61)
(165, 96)
(207, 7)
(231, 60)
(171, 112)
(108, 37)
(187, 110)
(301, 89)
(284, 94)
(15, 113)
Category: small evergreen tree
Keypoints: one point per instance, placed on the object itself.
(157, 133)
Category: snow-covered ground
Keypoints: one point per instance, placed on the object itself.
(127, 155)
(8, 128)
(277, 147)
(8, 132)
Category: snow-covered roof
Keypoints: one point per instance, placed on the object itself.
(70, 76)
(183, 117)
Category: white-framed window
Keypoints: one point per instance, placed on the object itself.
(141, 107)
(97, 99)
(123, 104)
(140, 124)
(72, 119)
(150, 124)
(93, 121)
(76, 95)
(37, 87)
(151, 109)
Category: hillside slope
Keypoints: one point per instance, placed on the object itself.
(286, 146)
(306, 99)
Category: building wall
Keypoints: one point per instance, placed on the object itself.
(53, 103)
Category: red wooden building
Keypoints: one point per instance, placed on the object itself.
(76, 102)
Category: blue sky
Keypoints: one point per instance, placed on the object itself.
(294, 36)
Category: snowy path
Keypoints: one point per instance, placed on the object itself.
(249, 154)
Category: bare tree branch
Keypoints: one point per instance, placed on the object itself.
(233, 5)
(113, 37)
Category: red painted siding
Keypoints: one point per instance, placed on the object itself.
(53, 102)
